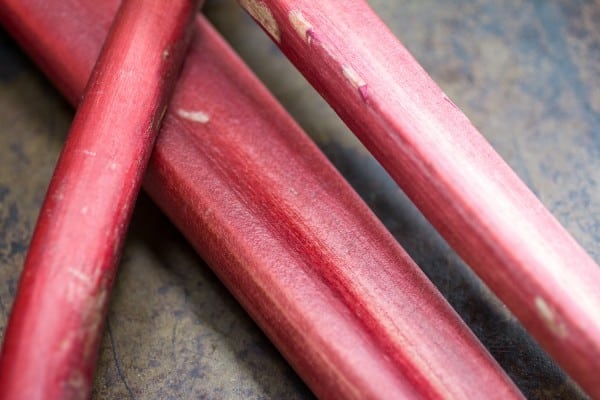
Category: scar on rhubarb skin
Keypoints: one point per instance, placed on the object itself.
(356, 81)
(301, 25)
(449, 101)
(262, 13)
(195, 116)
(305, 30)
(76, 385)
(550, 318)
(158, 118)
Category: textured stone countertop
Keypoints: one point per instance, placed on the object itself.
(526, 72)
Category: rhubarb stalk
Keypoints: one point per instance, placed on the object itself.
(287, 235)
(51, 343)
(448, 169)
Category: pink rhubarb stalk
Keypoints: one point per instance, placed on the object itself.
(448, 169)
(281, 228)
(51, 343)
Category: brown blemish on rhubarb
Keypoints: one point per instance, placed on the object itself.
(307, 33)
(158, 120)
(263, 15)
(77, 385)
(301, 25)
(356, 81)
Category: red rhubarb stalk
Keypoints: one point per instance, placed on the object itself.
(52, 339)
(449, 170)
(281, 228)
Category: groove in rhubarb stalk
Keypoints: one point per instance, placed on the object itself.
(281, 228)
(451, 173)
(51, 342)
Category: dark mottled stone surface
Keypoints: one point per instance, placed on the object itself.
(527, 73)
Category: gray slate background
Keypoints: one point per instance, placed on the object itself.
(526, 72)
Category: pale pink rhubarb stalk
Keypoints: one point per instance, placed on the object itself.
(449, 171)
(294, 243)
(51, 342)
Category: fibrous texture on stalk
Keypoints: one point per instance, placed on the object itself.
(448, 169)
(51, 342)
(281, 228)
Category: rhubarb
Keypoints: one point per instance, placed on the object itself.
(281, 228)
(51, 343)
(447, 168)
